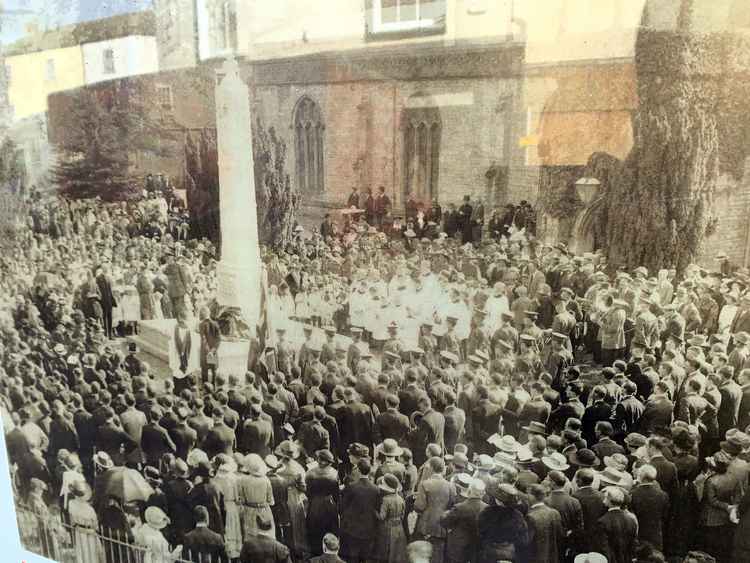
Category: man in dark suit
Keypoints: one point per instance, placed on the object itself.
(382, 205)
(570, 510)
(155, 440)
(658, 410)
(455, 422)
(599, 410)
(176, 491)
(330, 551)
(461, 523)
(572, 408)
(260, 548)
(353, 200)
(184, 437)
(256, 436)
(666, 471)
(731, 397)
(107, 298)
(359, 504)
(357, 421)
(592, 508)
(111, 438)
(391, 423)
(650, 505)
(202, 544)
(617, 530)
(628, 411)
(605, 445)
(220, 439)
(429, 430)
(546, 531)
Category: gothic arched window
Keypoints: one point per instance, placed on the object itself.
(422, 130)
(308, 145)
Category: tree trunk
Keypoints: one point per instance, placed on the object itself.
(660, 199)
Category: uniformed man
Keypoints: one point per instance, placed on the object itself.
(428, 343)
(285, 354)
(354, 352)
(450, 341)
(328, 350)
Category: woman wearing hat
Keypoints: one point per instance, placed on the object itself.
(255, 496)
(88, 546)
(323, 494)
(390, 539)
(149, 536)
(293, 475)
(225, 480)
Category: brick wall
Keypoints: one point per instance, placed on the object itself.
(362, 121)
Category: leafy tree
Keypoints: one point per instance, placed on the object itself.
(104, 128)
(277, 201)
(12, 171)
(276, 198)
(656, 206)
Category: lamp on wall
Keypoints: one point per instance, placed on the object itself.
(586, 188)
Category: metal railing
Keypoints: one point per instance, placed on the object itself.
(51, 537)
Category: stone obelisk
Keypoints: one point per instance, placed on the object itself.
(239, 271)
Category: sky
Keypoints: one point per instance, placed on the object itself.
(19, 16)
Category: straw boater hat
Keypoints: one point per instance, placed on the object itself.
(555, 462)
(535, 427)
(485, 463)
(476, 489)
(103, 461)
(503, 492)
(612, 476)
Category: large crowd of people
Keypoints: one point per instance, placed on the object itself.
(499, 399)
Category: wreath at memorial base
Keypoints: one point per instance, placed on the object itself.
(231, 323)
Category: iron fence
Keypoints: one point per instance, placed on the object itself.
(50, 536)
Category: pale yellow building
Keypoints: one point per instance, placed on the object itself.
(33, 76)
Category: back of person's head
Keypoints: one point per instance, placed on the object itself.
(200, 514)
(330, 543)
(604, 428)
(557, 479)
(584, 477)
(646, 473)
(364, 467)
(608, 373)
(537, 492)
(630, 388)
(598, 393)
(614, 496)
(437, 465)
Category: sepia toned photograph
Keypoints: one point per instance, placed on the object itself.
(376, 281)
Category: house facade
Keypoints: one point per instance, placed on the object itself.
(120, 57)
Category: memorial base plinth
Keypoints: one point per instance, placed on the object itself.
(156, 338)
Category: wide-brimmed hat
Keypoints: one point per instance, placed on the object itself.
(592, 557)
(635, 440)
(503, 492)
(535, 427)
(616, 461)
(555, 461)
(253, 464)
(272, 462)
(742, 337)
(390, 448)
(103, 461)
(156, 518)
(612, 476)
(389, 483)
(583, 458)
(59, 349)
(506, 443)
(288, 449)
(485, 463)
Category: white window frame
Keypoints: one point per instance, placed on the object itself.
(169, 106)
(393, 27)
(106, 68)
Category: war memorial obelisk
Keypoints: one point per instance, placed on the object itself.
(239, 271)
